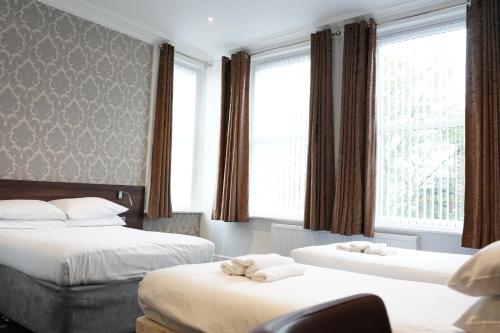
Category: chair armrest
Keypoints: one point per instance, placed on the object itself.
(359, 313)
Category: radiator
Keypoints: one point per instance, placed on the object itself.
(287, 237)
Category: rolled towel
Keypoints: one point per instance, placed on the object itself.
(232, 268)
(380, 250)
(347, 247)
(255, 262)
(275, 273)
(362, 245)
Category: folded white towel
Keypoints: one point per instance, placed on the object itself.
(275, 273)
(232, 268)
(362, 245)
(380, 250)
(347, 247)
(255, 262)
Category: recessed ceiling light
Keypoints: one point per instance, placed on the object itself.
(210, 19)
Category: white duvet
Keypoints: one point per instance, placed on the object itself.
(205, 299)
(91, 255)
(432, 267)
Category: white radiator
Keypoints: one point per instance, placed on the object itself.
(287, 237)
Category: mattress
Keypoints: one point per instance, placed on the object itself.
(194, 298)
(95, 255)
(413, 265)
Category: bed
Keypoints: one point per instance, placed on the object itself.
(200, 298)
(83, 279)
(413, 265)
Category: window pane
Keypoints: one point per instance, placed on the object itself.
(183, 131)
(279, 131)
(421, 119)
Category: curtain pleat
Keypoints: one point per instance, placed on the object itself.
(159, 193)
(354, 203)
(482, 125)
(231, 197)
(320, 178)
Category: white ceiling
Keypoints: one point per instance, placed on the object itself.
(236, 23)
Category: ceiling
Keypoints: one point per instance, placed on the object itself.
(235, 23)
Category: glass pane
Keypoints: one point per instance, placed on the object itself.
(279, 132)
(183, 131)
(421, 119)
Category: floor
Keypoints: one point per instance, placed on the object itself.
(7, 326)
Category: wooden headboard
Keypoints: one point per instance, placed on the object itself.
(27, 189)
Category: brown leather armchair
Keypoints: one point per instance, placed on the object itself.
(362, 313)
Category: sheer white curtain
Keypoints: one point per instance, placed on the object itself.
(183, 136)
(421, 128)
(279, 128)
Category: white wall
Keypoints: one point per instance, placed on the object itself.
(232, 239)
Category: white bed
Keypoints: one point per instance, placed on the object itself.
(92, 255)
(193, 298)
(413, 265)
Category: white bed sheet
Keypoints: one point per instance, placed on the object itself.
(204, 298)
(91, 255)
(412, 265)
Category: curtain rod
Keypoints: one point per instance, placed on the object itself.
(334, 34)
(192, 58)
(466, 3)
(337, 33)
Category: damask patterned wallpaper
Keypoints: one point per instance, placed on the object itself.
(179, 223)
(74, 98)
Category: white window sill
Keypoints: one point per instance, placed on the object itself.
(378, 228)
(281, 220)
(396, 229)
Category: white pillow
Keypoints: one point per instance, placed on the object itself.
(480, 275)
(26, 224)
(31, 210)
(100, 222)
(88, 208)
(482, 317)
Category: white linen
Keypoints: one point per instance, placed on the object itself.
(255, 262)
(406, 264)
(275, 273)
(76, 256)
(480, 276)
(100, 222)
(206, 299)
(233, 268)
(380, 250)
(29, 210)
(347, 247)
(25, 224)
(88, 207)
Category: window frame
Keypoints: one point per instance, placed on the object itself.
(303, 48)
(416, 27)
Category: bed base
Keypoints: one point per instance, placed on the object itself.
(146, 325)
(44, 307)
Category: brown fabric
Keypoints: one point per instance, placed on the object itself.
(159, 193)
(231, 197)
(320, 179)
(482, 126)
(354, 204)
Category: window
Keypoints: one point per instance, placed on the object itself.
(279, 133)
(420, 120)
(183, 135)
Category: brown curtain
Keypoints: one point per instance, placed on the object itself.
(354, 204)
(231, 197)
(159, 193)
(320, 179)
(482, 126)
